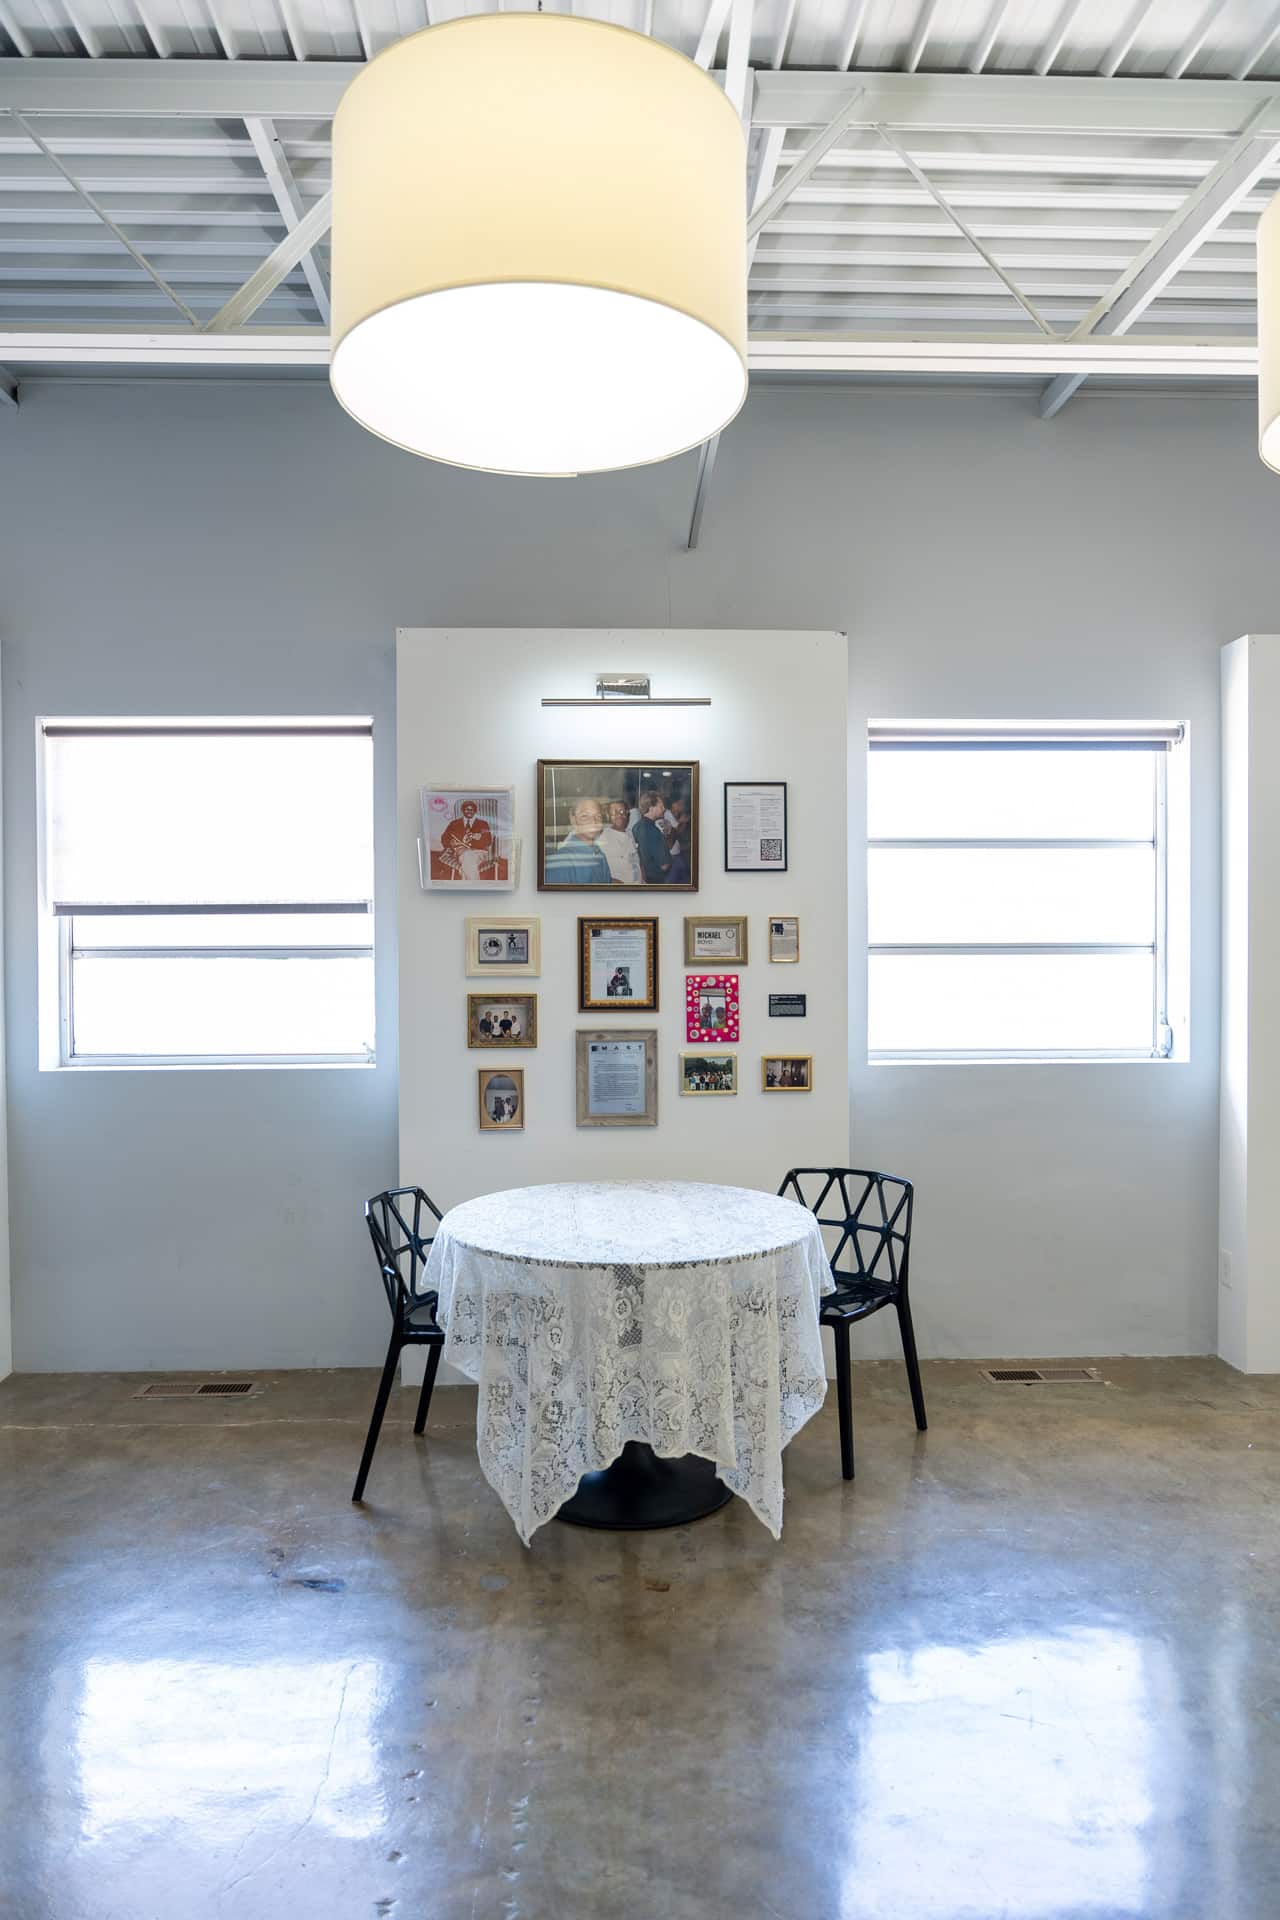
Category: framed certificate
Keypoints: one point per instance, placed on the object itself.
(617, 966)
(718, 939)
(755, 826)
(617, 1077)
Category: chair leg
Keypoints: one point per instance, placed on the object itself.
(428, 1381)
(844, 1398)
(913, 1364)
(379, 1408)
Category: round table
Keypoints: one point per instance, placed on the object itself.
(643, 1349)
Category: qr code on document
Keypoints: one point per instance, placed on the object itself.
(771, 849)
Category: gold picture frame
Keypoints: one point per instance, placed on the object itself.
(728, 953)
(709, 1063)
(777, 923)
(500, 1087)
(502, 1019)
(787, 1079)
(617, 965)
(495, 946)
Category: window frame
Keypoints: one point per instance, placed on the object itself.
(1170, 940)
(56, 949)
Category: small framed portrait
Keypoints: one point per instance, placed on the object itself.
(617, 966)
(784, 938)
(468, 838)
(710, 1007)
(755, 826)
(787, 1073)
(708, 1073)
(614, 823)
(617, 1077)
(504, 946)
(502, 1020)
(715, 939)
(501, 1099)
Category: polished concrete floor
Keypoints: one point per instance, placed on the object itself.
(1026, 1667)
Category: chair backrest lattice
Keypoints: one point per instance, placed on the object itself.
(402, 1223)
(865, 1218)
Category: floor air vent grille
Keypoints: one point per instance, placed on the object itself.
(193, 1389)
(1042, 1376)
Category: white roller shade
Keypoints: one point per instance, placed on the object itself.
(1094, 734)
(224, 814)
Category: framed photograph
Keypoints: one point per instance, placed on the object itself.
(617, 966)
(787, 1073)
(502, 1020)
(755, 826)
(615, 823)
(504, 946)
(715, 939)
(711, 1007)
(501, 1099)
(784, 938)
(708, 1073)
(617, 1077)
(468, 838)
(788, 1006)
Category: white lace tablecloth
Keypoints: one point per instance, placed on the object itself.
(593, 1314)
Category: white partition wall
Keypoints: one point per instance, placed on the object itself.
(469, 710)
(1249, 1106)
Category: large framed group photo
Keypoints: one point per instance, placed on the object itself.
(617, 823)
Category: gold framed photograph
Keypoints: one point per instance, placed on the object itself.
(617, 823)
(502, 1019)
(784, 938)
(716, 938)
(617, 966)
(498, 946)
(786, 1073)
(617, 1077)
(501, 1099)
(708, 1073)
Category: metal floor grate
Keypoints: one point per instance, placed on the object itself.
(192, 1389)
(1042, 1376)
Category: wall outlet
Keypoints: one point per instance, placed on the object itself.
(1224, 1268)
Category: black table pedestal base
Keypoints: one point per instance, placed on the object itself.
(641, 1491)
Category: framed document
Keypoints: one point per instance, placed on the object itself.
(617, 1077)
(617, 966)
(711, 1007)
(784, 938)
(502, 1020)
(755, 826)
(498, 946)
(715, 939)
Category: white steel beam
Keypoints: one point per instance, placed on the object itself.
(284, 189)
(1121, 48)
(8, 389)
(1258, 48)
(799, 171)
(707, 453)
(712, 28)
(853, 34)
(989, 35)
(282, 259)
(920, 38)
(1054, 44)
(1129, 356)
(737, 71)
(1210, 202)
(1200, 33)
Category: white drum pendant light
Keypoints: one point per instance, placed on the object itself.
(1269, 335)
(539, 247)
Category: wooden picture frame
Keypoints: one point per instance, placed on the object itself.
(616, 1076)
(497, 1087)
(495, 946)
(723, 941)
(755, 826)
(711, 993)
(617, 965)
(489, 1013)
(784, 939)
(599, 846)
(791, 1080)
(696, 1066)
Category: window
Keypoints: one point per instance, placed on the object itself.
(1023, 902)
(207, 892)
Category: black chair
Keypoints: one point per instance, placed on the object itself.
(400, 1243)
(870, 1267)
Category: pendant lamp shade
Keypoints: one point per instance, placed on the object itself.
(1269, 335)
(539, 247)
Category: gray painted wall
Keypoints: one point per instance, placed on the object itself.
(187, 547)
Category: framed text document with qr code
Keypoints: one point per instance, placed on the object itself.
(755, 826)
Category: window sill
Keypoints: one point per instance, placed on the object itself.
(207, 1066)
(1026, 1060)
